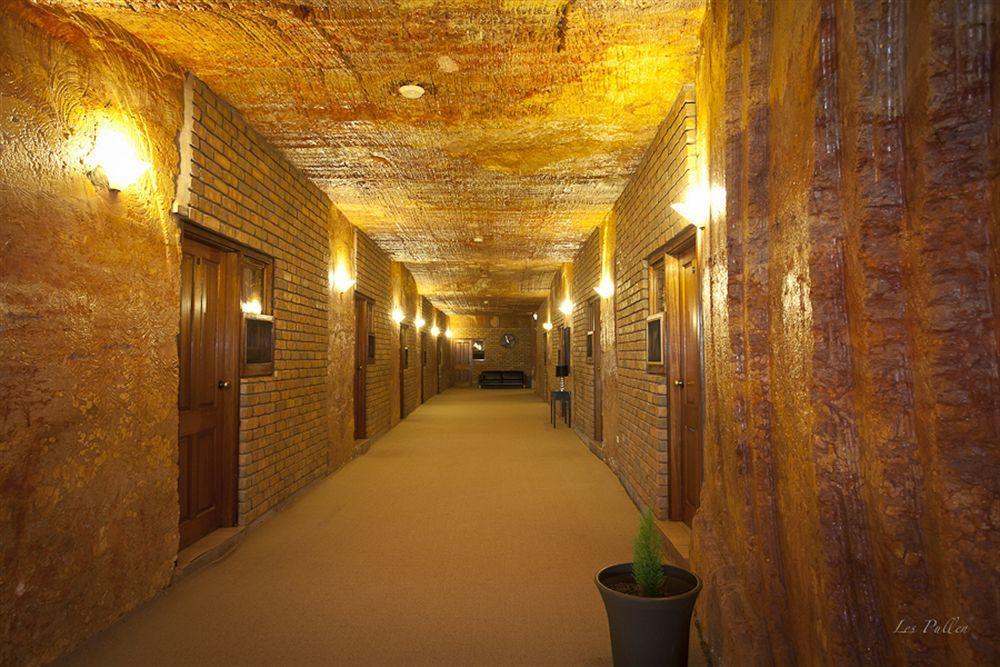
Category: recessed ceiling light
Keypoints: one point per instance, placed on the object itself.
(477, 239)
(411, 91)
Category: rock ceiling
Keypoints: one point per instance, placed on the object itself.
(535, 114)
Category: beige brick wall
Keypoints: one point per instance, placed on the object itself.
(644, 222)
(586, 275)
(244, 189)
(490, 328)
(375, 282)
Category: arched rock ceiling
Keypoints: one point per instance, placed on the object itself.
(536, 113)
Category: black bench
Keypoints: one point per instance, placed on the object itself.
(490, 379)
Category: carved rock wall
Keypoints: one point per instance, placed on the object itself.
(849, 303)
(89, 285)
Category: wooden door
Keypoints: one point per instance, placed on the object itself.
(595, 327)
(440, 364)
(423, 363)
(206, 455)
(361, 315)
(685, 379)
(404, 358)
(461, 360)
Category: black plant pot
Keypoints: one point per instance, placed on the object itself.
(649, 631)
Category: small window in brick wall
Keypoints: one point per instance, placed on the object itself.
(256, 302)
(654, 321)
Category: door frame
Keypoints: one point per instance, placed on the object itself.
(671, 252)
(361, 366)
(229, 469)
(404, 358)
(594, 307)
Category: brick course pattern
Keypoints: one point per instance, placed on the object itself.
(645, 222)
(586, 275)
(246, 190)
(375, 282)
(490, 328)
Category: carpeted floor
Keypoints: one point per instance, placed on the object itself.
(468, 535)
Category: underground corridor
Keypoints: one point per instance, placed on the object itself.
(481, 332)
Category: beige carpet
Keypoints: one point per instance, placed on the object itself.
(468, 535)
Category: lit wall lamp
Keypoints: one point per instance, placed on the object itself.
(534, 316)
(252, 307)
(606, 288)
(419, 322)
(566, 307)
(547, 326)
(435, 331)
(341, 280)
(447, 333)
(699, 202)
(397, 315)
(116, 156)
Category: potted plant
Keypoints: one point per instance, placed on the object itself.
(649, 604)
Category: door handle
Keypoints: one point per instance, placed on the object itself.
(678, 383)
(223, 384)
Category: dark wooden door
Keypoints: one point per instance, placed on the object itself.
(440, 365)
(404, 359)
(690, 378)
(595, 323)
(361, 315)
(423, 363)
(206, 383)
(461, 361)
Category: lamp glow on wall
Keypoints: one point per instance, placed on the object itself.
(114, 153)
(419, 322)
(397, 315)
(547, 326)
(435, 331)
(447, 333)
(606, 288)
(566, 307)
(699, 202)
(252, 307)
(341, 279)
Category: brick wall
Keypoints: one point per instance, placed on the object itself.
(429, 350)
(445, 370)
(405, 295)
(375, 282)
(244, 189)
(644, 222)
(490, 328)
(586, 275)
(541, 352)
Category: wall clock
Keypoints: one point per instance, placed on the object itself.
(508, 340)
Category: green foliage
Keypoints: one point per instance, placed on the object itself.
(646, 557)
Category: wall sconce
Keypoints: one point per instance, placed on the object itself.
(435, 331)
(397, 315)
(252, 307)
(699, 202)
(547, 326)
(606, 288)
(115, 155)
(447, 333)
(534, 316)
(566, 307)
(341, 280)
(419, 322)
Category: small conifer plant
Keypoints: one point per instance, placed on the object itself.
(646, 558)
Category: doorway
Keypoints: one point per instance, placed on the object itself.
(594, 356)
(208, 396)
(404, 363)
(461, 360)
(439, 357)
(363, 351)
(685, 377)
(423, 364)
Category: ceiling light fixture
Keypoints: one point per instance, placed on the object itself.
(477, 239)
(411, 91)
